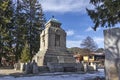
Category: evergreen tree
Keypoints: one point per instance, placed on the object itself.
(35, 23)
(20, 21)
(20, 30)
(25, 55)
(28, 22)
(6, 12)
(106, 13)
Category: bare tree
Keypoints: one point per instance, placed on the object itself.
(89, 43)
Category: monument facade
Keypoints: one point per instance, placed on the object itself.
(53, 45)
(112, 53)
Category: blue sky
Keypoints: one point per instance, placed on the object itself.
(75, 21)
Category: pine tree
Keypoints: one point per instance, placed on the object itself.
(25, 55)
(28, 22)
(6, 12)
(35, 23)
(20, 21)
(20, 30)
(106, 13)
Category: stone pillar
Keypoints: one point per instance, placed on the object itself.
(35, 67)
(17, 66)
(27, 68)
(22, 66)
(112, 53)
(94, 66)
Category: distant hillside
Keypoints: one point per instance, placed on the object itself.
(100, 50)
(77, 50)
(74, 49)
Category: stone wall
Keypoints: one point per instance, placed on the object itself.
(112, 53)
(65, 67)
(43, 69)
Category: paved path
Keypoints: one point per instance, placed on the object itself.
(50, 76)
(18, 73)
(9, 71)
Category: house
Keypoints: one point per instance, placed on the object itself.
(100, 58)
(78, 58)
(88, 57)
(85, 58)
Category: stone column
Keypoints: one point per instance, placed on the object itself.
(112, 53)
(35, 67)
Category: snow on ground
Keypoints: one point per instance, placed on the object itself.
(85, 76)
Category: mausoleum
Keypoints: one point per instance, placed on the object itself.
(53, 50)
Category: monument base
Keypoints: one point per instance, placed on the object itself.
(44, 57)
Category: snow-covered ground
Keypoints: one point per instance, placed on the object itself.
(85, 76)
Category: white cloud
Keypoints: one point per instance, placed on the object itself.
(73, 43)
(78, 37)
(63, 6)
(99, 41)
(70, 32)
(76, 43)
(88, 29)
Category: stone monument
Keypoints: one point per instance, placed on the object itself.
(53, 45)
(112, 53)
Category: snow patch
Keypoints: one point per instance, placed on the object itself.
(86, 76)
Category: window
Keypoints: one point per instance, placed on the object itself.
(43, 39)
(90, 57)
(57, 40)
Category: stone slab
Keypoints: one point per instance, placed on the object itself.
(112, 53)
